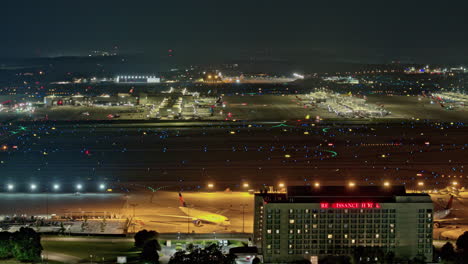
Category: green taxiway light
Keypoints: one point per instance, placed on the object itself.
(282, 125)
(334, 153)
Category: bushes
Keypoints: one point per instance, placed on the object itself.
(148, 240)
(24, 245)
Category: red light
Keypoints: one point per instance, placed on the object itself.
(330, 144)
(59, 102)
(87, 152)
(324, 205)
(350, 205)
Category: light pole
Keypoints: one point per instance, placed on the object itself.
(133, 205)
(243, 217)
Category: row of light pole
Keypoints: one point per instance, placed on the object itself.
(55, 187)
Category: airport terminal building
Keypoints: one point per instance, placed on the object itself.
(309, 222)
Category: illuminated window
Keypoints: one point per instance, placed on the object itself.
(291, 221)
(269, 231)
(330, 236)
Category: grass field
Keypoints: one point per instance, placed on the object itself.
(100, 251)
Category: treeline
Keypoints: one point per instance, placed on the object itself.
(448, 254)
(23, 245)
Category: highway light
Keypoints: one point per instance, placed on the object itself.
(351, 184)
(317, 184)
(33, 187)
(210, 185)
(386, 184)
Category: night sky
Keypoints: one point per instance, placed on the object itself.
(205, 30)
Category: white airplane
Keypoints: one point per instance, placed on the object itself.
(198, 217)
(440, 216)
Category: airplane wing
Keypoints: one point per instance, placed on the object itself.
(452, 220)
(222, 212)
(180, 216)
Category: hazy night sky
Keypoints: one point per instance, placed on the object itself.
(362, 31)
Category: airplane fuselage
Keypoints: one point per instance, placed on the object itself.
(206, 216)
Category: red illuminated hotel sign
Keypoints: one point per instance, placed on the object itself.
(349, 205)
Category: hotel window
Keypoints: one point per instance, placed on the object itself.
(291, 221)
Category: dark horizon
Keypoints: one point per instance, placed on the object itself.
(209, 32)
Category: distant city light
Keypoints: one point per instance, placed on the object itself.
(102, 186)
(299, 76)
(56, 186)
(79, 186)
(352, 184)
(386, 184)
(10, 187)
(33, 187)
(421, 183)
(281, 185)
(246, 185)
(317, 184)
(210, 185)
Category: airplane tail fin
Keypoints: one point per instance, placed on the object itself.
(449, 204)
(181, 200)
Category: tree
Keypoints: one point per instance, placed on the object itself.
(335, 260)
(447, 252)
(5, 245)
(256, 260)
(389, 257)
(209, 255)
(141, 237)
(150, 251)
(368, 255)
(303, 261)
(419, 260)
(462, 243)
(26, 245)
